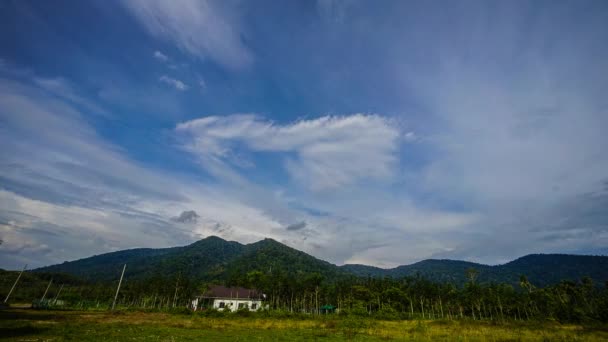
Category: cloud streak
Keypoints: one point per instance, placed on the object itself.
(488, 143)
(200, 28)
(326, 153)
(175, 83)
(80, 194)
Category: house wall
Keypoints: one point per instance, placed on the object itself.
(233, 304)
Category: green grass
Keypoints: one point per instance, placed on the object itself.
(31, 325)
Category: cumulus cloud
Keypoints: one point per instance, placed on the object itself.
(200, 28)
(189, 216)
(324, 153)
(177, 84)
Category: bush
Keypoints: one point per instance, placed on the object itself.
(280, 314)
(360, 311)
(180, 311)
(420, 328)
(352, 325)
(387, 313)
(211, 312)
(243, 312)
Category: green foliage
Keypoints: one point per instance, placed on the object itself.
(214, 259)
(243, 312)
(540, 269)
(387, 313)
(212, 313)
(298, 284)
(351, 326)
(32, 325)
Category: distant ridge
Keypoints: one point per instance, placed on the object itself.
(214, 258)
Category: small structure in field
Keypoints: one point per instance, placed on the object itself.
(327, 309)
(229, 298)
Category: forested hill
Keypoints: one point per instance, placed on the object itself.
(210, 259)
(540, 269)
(215, 259)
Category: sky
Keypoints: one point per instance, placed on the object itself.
(380, 133)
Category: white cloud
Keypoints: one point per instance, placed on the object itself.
(177, 84)
(328, 152)
(160, 56)
(200, 28)
(62, 88)
(529, 139)
(517, 140)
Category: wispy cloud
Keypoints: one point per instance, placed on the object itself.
(489, 142)
(296, 226)
(326, 153)
(177, 84)
(202, 84)
(199, 28)
(160, 56)
(59, 177)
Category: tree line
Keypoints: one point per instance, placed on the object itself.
(305, 293)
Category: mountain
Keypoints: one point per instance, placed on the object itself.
(211, 258)
(540, 269)
(444, 270)
(545, 269)
(215, 259)
(201, 260)
(268, 255)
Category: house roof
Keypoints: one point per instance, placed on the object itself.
(218, 291)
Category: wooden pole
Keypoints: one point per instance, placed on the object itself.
(118, 288)
(47, 290)
(57, 296)
(15, 284)
(176, 284)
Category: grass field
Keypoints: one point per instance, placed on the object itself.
(31, 325)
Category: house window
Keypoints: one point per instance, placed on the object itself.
(222, 305)
(254, 306)
(242, 305)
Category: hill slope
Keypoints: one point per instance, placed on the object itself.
(541, 269)
(216, 259)
(211, 258)
(452, 271)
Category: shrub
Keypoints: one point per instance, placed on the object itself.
(243, 312)
(387, 313)
(211, 312)
(353, 325)
(180, 311)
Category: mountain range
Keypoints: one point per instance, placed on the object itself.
(215, 259)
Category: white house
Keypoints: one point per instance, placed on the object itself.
(229, 298)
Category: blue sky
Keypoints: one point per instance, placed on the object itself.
(377, 133)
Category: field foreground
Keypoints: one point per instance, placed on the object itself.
(31, 325)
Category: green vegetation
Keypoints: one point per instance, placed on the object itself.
(45, 325)
(296, 282)
(307, 293)
(308, 299)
